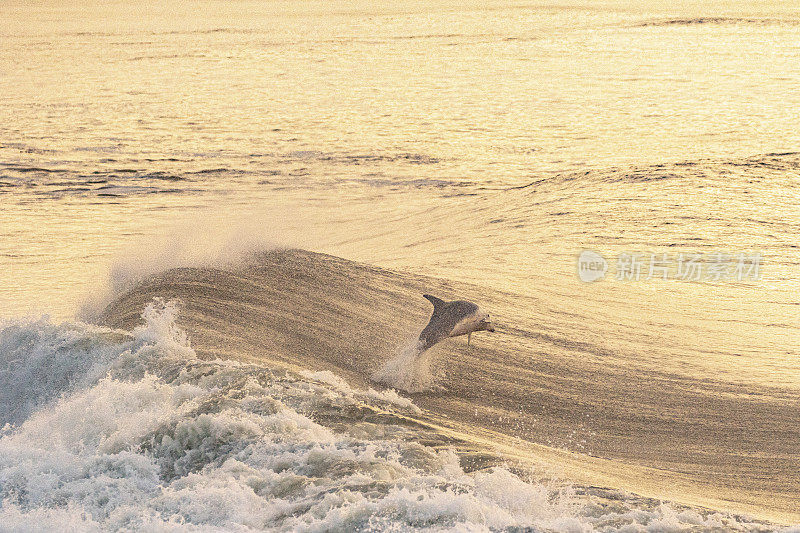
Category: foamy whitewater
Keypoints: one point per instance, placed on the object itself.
(130, 431)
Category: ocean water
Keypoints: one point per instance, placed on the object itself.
(217, 221)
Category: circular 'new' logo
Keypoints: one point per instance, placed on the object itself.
(591, 266)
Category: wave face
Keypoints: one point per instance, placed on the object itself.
(137, 431)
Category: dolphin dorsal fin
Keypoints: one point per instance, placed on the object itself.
(438, 303)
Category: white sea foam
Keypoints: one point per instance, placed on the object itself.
(388, 396)
(112, 431)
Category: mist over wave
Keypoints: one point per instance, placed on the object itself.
(212, 240)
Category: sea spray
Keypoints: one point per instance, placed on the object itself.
(215, 239)
(409, 370)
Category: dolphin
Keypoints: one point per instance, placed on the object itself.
(451, 319)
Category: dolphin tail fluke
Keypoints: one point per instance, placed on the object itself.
(438, 303)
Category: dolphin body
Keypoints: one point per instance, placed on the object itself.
(451, 319)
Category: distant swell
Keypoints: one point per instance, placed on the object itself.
(720, 20)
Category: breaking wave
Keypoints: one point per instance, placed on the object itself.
(107, 429)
